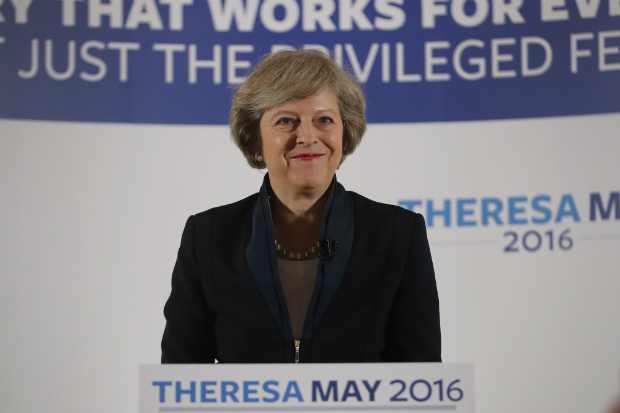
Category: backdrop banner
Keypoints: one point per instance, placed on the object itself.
(175, 61)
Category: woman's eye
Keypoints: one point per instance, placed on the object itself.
(326, 119)
(285, 121)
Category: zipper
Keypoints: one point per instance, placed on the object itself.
(297, 342)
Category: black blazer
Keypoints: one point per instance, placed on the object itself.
(384, 307)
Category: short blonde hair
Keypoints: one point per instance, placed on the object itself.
(288, 76)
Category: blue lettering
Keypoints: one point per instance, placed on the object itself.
(431, 213)
(491, 213)
(204, 392)
(162, 389)
(231, 393)
(271, 391)
(513, 210)
(409, 204)
(542, 209)
(567, 201)
(371, 390)
(461, 212)
(292, 390)
(191, 391)
(247, 391)
(351, 391)
(332, 386)
(596, 202)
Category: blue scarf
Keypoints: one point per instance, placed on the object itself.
(337, 224)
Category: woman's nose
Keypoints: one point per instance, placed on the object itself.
(305, 134)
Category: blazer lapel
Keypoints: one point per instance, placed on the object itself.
(263, 263)
(338, 223)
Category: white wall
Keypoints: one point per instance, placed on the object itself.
(91, 218)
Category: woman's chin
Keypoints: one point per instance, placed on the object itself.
(312, 182)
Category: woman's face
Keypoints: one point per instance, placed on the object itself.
(302, 142)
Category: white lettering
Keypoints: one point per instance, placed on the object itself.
(317, 47)
(68, 12)
(95, 61)
(175, 12)
(575, 52)
(395, 15)
(21, 10)
(614, 7)
(353, 11)
(234, 64)
(268, 18)
(362, 73)
(49, 58)
(385, 62)
(244, 14)
(401, 76)
(550, 10)
(501, 9)
(194, 64)
(478, 62)
(318, 11)
(588, 9)
(497, 58)
(603, 51)
(34, 59)
(123, 58)
(2, 19)
(169, 49)
(114, 9)
(144, 11)
(338, 54)
(526, 70)
(430, 61)
(430, 9)
(457, 8)
(275, 48)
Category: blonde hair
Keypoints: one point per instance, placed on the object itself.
(288, 76)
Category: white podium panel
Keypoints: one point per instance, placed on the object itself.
(364, 387)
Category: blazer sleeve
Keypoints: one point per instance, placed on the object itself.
(413, 332)
(188, 336)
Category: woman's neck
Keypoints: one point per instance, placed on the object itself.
(297, 217)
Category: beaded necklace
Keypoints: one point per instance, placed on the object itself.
(297, 256)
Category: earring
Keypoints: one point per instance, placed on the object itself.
(259, 158)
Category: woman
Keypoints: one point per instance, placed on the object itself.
(303, 271)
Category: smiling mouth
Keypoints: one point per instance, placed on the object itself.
(307, 156)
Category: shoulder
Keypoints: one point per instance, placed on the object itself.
(380, 213)
(236, 212)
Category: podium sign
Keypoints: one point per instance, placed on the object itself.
(363, 387)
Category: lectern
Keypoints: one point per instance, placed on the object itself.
(363, 387)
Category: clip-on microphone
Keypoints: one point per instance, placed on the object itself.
(327, 249)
